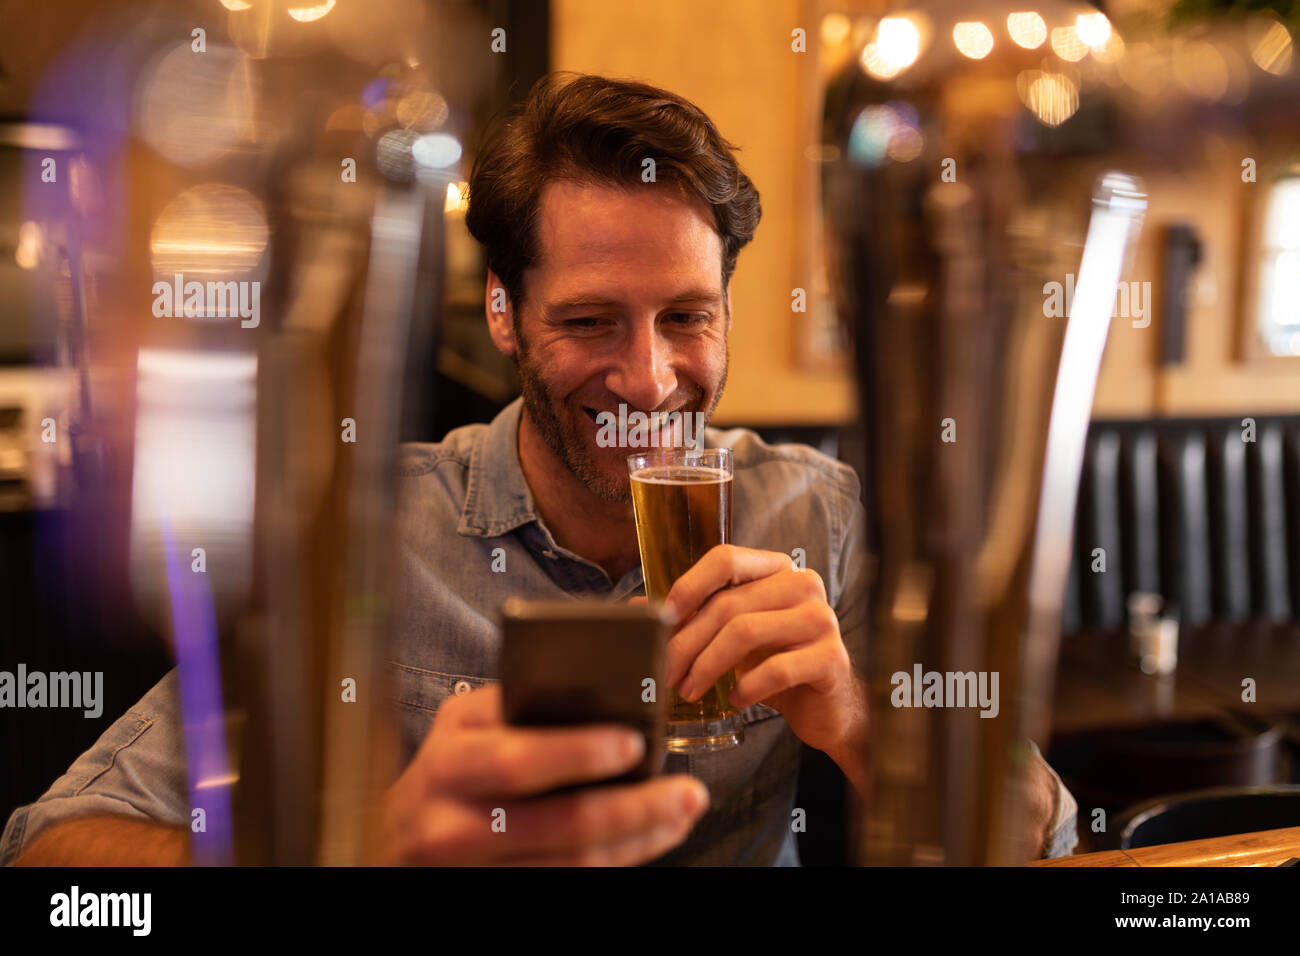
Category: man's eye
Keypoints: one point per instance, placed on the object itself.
(689, 319)
(586, 322)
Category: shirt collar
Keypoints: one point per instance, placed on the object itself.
(497, 498)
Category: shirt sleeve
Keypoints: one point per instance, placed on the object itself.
(1063, 833)
(852, 567)
(135, 769)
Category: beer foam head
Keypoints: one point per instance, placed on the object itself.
(680, 474)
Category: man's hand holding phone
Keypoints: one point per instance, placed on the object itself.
(441, 809)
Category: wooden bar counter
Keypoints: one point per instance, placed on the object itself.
(1264, 848)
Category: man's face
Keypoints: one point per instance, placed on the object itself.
(625, 305)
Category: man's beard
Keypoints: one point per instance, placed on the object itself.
(574, 447)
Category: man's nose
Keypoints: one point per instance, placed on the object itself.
(644, 377)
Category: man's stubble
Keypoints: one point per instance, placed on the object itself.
(540, 405)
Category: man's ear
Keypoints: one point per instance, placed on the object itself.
(500, 316)
(728, 330)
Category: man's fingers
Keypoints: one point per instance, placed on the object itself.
(741, 637)
(524, 761)
(724, 566)
(604, 826)
(771, 593)
(808, 665)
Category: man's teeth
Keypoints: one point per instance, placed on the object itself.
(665, 423)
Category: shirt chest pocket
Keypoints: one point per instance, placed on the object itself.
(416, 695)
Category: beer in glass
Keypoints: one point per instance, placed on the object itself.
(682, 502)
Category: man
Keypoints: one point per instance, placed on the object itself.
(607, 287)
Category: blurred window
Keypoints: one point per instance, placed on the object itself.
(1279, 289)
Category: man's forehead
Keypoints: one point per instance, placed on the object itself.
(591, 236)
(562, 195)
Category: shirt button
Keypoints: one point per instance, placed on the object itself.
(462, 687)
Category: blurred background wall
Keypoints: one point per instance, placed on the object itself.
(734, 58)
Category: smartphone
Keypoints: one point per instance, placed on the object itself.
(587, 662)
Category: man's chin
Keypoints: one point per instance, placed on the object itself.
(609, 488)
(611, 477)
(602, 470)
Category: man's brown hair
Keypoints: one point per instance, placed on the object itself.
(594, 129)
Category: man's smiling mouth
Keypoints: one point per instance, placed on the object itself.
(663, 416)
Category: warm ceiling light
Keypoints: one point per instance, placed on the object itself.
(1067, 45)
(1027, 29)
(1272, 53)
(314, 12)
(895, 48)
(973, 39)
(1093, 29)
(899, 41)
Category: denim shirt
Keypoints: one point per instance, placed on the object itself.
(469, 537)
(782, 498)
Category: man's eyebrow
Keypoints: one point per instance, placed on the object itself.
(711, 296)
(580, 302)
(708, 296)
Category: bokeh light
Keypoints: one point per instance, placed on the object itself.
(436, 151)
(209, 231)
(1052, 97)
(973, 39)
(1272, 50)
(905, 145)
(310, 13)
(192, 108)
(885, 131)
(1093, 29)
(895, 48)
(1027, 29)
(1067, 45)
(457, 198)
(421, 110)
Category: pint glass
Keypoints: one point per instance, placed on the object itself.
(682, 502)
